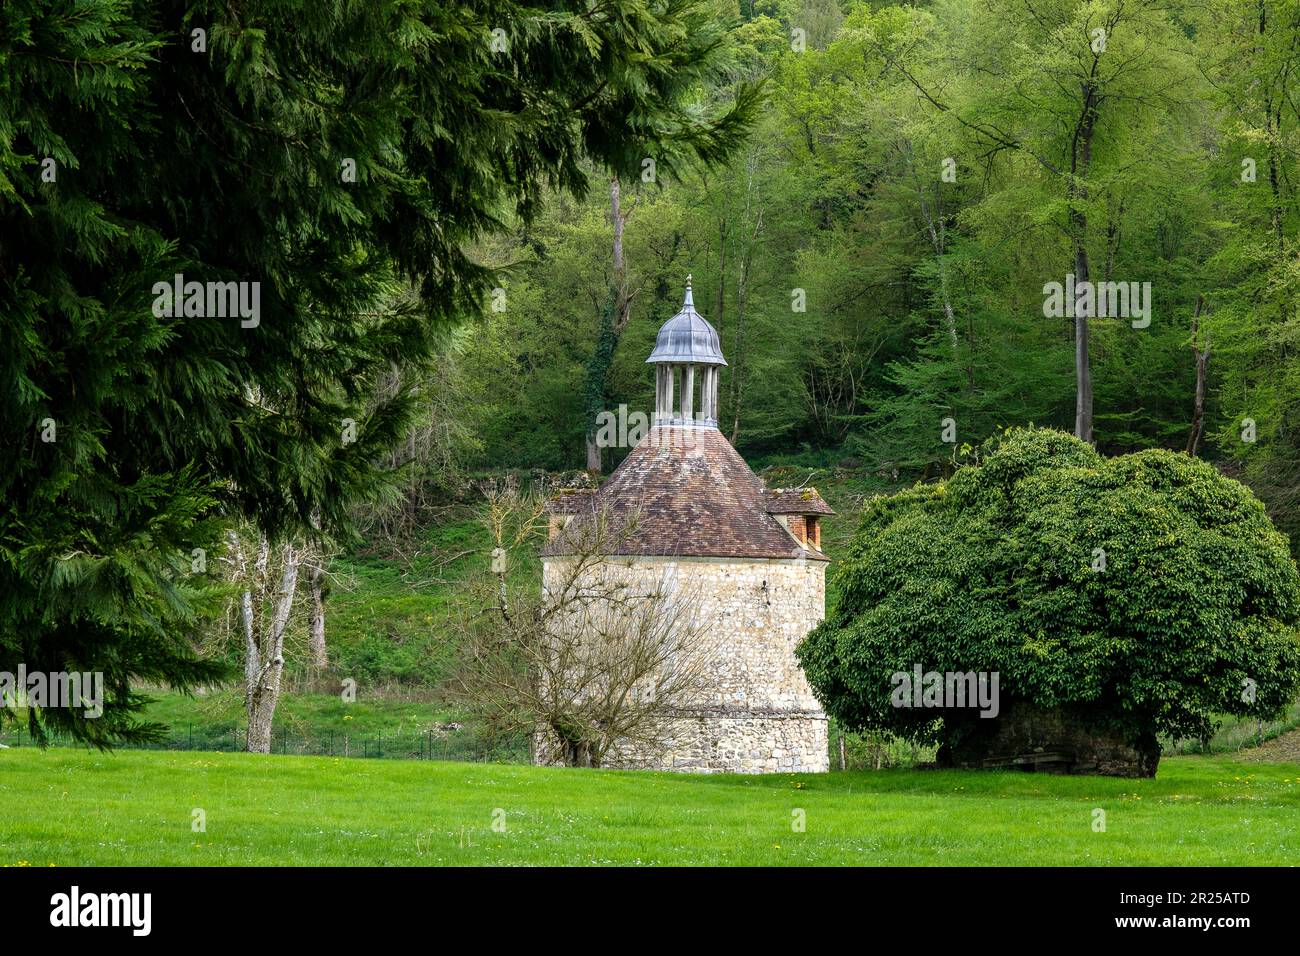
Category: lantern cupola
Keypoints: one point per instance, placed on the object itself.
(688, 357)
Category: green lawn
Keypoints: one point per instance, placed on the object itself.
(68, 807)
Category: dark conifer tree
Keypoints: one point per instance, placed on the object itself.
(342, 155)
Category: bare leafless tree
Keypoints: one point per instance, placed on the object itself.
(599, 660)
(441, 434)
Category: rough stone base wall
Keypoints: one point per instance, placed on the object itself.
(1053, 741)
(784, 743)
(738, 742)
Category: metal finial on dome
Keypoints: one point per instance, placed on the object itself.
(688, 338)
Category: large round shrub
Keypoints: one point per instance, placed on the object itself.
(1138, 595)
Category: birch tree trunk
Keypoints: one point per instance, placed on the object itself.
(264, 665)
(247, 626)
(319, 656)
(249, 601)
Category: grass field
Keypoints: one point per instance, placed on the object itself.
(66, 807)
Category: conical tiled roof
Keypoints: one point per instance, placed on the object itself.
(693, 496)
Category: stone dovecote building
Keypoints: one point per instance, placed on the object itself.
(752, 557)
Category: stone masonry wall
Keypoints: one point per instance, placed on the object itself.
(759, 715)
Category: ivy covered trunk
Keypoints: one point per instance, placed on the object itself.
(597, 372)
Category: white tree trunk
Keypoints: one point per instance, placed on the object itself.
(262, 691)
(316, 615)
(316, 558)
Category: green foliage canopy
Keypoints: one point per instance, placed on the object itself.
(140, 139)
(1144, 591)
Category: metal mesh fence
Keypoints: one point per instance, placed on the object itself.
(422, 745)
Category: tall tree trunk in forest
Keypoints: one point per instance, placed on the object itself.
(315, 557)
(938, 231)
(317, 653)
(1078, 193)
(611, 329)
(1202, 361)
(1113, 235)
(598, 365)
(1082, 366)
(1272, 127)
(738, 370)
(939, 242)
(719, 308)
